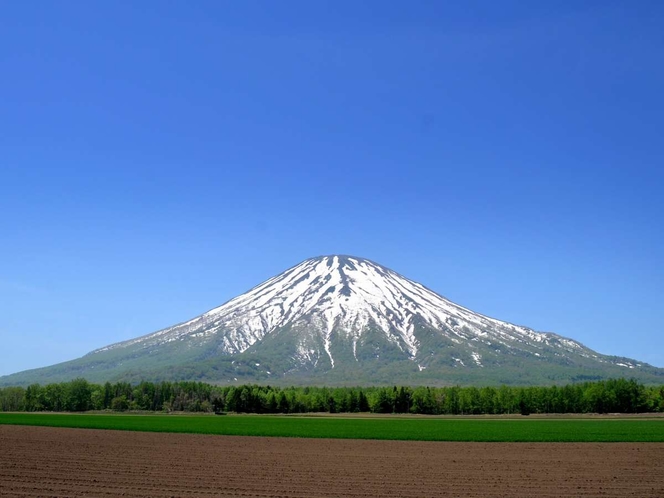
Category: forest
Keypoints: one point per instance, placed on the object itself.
(79, 395)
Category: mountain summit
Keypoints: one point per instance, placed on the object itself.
(344, 300)
(343, 319)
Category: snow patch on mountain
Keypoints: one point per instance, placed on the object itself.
(343, 297)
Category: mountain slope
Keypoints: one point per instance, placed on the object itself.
(342, 319)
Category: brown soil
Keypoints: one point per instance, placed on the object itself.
(40, 461)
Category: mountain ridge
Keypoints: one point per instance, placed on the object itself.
(335, 318)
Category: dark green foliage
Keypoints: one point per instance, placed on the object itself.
(12, 399)
(611, 396)
(78, 395)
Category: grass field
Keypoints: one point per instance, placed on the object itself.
(417, 429)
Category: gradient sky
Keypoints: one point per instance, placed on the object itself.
(159, 158)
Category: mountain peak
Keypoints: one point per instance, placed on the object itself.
(342, 297)
(346, 319)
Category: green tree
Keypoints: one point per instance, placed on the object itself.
(97, 399)
(12, 399)
(119, 403)
(423, 401)
(402, 400)
(383, 401)
(33, 398)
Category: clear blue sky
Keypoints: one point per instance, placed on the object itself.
(159, 158)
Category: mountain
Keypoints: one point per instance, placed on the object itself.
(345, 320)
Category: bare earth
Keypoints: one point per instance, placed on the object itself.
(41, 461)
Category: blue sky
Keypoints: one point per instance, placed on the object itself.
(157, 159)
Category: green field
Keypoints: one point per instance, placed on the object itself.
(418, 429)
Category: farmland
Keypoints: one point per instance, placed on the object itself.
(56, 462)
(151, 455)
(523, 429)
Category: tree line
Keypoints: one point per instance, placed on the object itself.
(610, 396)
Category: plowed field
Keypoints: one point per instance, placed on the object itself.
(41, 461)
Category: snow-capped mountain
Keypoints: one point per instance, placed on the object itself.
(341, 319)
(344, 296)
